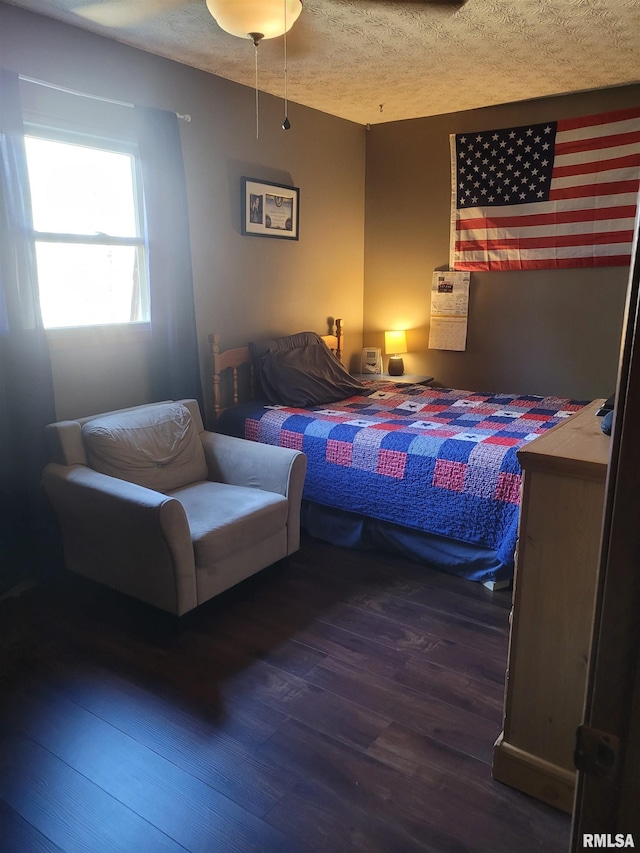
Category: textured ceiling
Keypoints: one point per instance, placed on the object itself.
(372, 61)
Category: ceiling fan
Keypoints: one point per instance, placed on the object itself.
(253, 19)
(127, 14)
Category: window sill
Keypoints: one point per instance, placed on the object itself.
(116, 334)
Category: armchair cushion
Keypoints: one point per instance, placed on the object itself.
(157, 447)
(242, 517)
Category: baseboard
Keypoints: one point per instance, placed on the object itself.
(533, 775)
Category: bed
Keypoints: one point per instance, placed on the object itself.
(425, 471)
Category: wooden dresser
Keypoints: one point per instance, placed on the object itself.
(563, 488)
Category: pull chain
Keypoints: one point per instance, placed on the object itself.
(286, 124)
(255, 49)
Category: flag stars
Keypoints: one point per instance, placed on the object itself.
(491, 165)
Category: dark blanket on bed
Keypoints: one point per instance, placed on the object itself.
(434, 459)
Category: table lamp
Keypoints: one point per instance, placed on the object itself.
(394, 343)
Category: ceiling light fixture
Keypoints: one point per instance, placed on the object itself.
(264, 19)
(257, 20)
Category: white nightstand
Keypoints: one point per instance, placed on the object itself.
(405, 379)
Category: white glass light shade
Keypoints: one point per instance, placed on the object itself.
(242, 17)
(395, 342)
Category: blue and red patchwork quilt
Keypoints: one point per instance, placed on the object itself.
(433, 459)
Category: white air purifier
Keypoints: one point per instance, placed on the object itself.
(371, 360)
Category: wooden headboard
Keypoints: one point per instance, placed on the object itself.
(238, 362)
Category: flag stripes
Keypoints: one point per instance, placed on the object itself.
(613, 164)
(593, 190)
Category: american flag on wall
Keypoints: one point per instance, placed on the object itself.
(552, 195)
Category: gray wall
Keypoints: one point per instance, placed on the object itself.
(540, 332)
(245, 287)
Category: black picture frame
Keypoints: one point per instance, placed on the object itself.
(270, 209)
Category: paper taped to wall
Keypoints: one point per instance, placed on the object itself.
(449, 310)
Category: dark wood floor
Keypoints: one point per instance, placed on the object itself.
(338, 701)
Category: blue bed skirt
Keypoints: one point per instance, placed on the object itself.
(350, 530)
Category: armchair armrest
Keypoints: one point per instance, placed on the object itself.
(123, 535)
(240, 462)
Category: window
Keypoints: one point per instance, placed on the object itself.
(87, 216)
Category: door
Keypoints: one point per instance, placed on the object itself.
(610, 803)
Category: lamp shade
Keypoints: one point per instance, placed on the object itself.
(244, 18)
(395, 342)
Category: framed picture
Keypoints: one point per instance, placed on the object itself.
(270, 210)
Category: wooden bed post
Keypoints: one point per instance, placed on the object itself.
(339, 339)
(233, 360)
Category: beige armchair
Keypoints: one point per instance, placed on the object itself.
(153, 505)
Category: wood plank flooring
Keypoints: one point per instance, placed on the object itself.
(338, 701)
